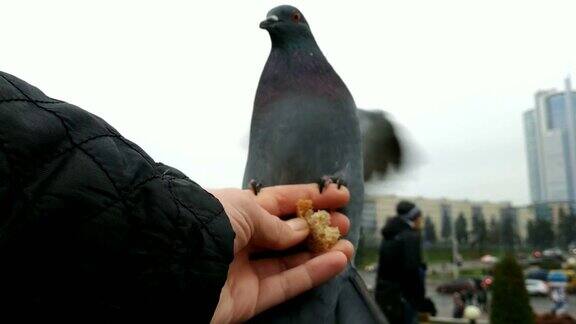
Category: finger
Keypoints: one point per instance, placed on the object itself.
(281, 200)
(274, 233)
(341, 221)
(345, 247)
(278, 288)
(267, 267)
(271, 266)
(337, 219)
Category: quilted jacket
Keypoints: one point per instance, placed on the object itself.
(90, 224)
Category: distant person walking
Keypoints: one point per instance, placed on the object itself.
(482, 295)
(557, 281)
(459, 304)
(400, 287)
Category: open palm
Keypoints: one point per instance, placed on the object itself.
(253, 286)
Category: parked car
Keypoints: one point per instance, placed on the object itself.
(554, 253)
(570, 280)
(536, 287)
(537, 274)
(572, 247)
(457, 285)
(547, 262)
(489, 259)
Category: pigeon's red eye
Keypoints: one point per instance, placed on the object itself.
(296, 17)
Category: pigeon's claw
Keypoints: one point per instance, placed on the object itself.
(339, 181)
(255, 186)
(324, 181)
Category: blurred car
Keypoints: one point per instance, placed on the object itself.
(571, 280)
(553, 253)
(537, 274)
(457, 285)
(572, 247)
(489, 259)
(547, 262)
(536, 287)
(570, 263)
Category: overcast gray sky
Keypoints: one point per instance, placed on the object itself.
(179, 78)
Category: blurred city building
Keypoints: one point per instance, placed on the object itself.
(550, 135)
(379, 208)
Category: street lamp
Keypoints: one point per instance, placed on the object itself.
(455, 253)
(472, 313)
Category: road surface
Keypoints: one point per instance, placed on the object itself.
(444, 302)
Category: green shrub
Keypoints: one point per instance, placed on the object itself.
(510, 301)
(366, 254)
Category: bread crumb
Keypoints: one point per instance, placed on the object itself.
(322, 236)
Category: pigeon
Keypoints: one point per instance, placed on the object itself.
(381, 146)
(305, 129)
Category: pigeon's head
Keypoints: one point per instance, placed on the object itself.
(286, 24)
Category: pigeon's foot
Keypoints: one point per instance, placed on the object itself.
(324, 181)
(255, 186)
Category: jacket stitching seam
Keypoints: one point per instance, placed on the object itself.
(172, 195)
(73, 147)
(69, 136)
(130, 193)
(30, 100)
(126, 142)
(193, 211)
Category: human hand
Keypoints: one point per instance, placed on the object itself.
(253, 286)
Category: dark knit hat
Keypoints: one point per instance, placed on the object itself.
(408, 210)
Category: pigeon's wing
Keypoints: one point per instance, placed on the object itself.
(380, 144)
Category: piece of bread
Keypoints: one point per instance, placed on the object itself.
(322, 236)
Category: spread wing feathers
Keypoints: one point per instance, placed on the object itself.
(381, 146)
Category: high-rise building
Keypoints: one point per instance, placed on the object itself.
(550, 132)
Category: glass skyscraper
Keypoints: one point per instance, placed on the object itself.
(550, 133)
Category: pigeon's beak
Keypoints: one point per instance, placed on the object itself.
(270, 20)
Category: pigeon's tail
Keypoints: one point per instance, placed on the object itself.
(345, 299)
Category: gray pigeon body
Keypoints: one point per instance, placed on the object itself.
(305, 126)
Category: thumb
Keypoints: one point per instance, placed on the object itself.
(274, 233)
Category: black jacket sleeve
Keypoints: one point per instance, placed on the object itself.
(90, 224)
(412, 280)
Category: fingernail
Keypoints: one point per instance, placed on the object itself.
(297, 224)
